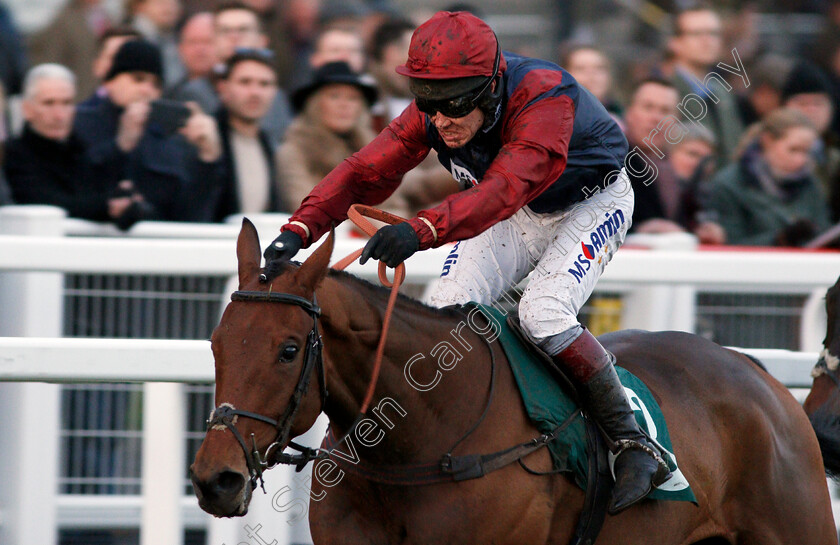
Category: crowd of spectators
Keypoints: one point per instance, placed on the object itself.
(202, 109)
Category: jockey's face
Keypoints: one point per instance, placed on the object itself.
(457, 131)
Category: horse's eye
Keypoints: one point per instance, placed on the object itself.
(288, 352)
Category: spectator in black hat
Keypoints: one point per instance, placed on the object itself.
(333, 122)
(178, 174)
(246, 89)
(108, 45)
(808, 90)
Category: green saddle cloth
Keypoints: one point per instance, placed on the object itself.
(548, 405)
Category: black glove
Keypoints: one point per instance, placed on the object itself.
(283, 247)
(797, 233)
(392, 244)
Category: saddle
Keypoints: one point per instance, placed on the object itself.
(599, 483)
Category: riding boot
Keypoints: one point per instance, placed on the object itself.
(638, 464)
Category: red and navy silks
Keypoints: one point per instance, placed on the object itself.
(553, 145)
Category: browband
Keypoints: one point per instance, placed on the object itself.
(272, 297)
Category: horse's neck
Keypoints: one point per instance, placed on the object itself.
(414, 421)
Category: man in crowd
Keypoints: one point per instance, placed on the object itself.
(237, 27)
(696, 47)
(197, 50)
(661, 198)
(246, 89)
(179, 174)
(332, 44)
(657, 200)
(389, 49)
(156, 21)
(46, 164)
(427, 183)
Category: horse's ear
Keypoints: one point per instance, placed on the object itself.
(248, 252)
(314, 269)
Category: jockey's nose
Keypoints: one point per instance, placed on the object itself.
(440, 121)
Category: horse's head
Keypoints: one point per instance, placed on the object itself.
(266, 350)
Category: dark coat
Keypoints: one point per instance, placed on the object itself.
(648, 192)
(5, 192)
(44, 171)
(229, 202)
(165, 169)
(13, 60)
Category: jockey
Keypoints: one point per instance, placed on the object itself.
(544, 196)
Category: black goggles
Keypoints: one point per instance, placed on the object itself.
(459, 106)
(450, 107)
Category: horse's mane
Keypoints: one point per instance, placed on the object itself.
(374, 291)
(381, 293)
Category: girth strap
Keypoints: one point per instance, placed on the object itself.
(450, 468)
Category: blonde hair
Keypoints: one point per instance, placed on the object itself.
(775, 125)
(359, 135)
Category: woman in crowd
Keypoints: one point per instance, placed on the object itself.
(770, 196)
(333, 122)
(591, 68)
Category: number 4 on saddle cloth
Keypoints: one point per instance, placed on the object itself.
(548, 405)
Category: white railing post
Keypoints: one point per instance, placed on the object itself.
(814, 322)
(163, 463)
(30, 306)
(661, 307)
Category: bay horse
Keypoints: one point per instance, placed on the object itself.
(741, 440)
(823, 402)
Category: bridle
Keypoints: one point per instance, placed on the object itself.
(223, 416)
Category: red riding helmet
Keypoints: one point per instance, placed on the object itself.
(452, 53)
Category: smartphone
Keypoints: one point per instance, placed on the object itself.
(168, 115)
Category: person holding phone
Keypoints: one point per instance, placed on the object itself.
(169, 152)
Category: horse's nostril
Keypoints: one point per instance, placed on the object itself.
(228, 482)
